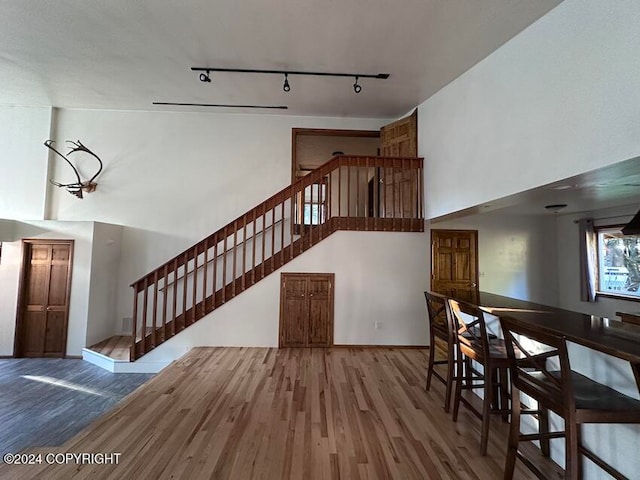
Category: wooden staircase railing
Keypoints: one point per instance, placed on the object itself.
(346, 193)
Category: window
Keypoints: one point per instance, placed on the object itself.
(618, 263)
(311, 208)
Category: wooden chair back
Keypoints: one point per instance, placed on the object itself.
(539, 364)
(470, 327)
(437, 310)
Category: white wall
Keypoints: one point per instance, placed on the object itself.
(516, 254)
(172, 178)
(23, 161)
(7, 230)
(560, 98)
(379, 277)
(82, 234)
(105, 259)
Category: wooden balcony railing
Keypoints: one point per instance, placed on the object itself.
(346, 193)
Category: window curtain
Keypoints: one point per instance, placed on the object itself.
(588, 260)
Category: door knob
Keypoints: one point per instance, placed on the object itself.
(473, 284)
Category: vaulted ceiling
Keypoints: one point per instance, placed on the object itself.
(125, 54)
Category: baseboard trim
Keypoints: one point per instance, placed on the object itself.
(73, 357)
(379, 346)
(6, 356)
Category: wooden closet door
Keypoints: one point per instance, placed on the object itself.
(306, 310)
(294, 311)
(320, 311)
(41, 329)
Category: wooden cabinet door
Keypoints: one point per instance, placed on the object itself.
(41, 330)
(306, 310)
(454, 263)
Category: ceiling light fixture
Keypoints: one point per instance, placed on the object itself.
(204, 77)
(357, 88)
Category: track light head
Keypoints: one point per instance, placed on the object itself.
(286, 87)
(204, 77)
(357, 87)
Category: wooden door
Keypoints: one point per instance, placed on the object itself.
(454, 263)
(398, 194)
(43, 311)
(306, 310)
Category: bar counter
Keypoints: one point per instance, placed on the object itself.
(609, 336)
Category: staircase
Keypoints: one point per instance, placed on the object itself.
(346, 193)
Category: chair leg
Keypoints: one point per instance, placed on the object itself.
(543, 427)
(450, 371)
(486, 408)
(514, 435)
(503, 384)
(432, 358)
(572, 454)
(459, 379)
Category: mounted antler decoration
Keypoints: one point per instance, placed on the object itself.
(76, 188)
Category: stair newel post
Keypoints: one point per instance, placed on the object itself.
(262, 237)
(348, 195)
(367, 163)
(235, 260)
(421, 190)
(154, 312)
(185, 278)
(144, 314)
(401, 204)
(174, 306)
(244, 252)
(194, 285)
(339, 191)
(134, 323)
(205, 270)
(214, 280)
(273, 236)
(383, 186)
(292, 195)
(254, 239)
(376, 194)
(358, 213)
(165, 292)
(284, 198)
(300, 214)
(328, 193)
(224, 264)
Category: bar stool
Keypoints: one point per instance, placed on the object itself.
(474, 343)
(440, 327)
(576, 398)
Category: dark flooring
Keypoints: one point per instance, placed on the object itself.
(45, 402)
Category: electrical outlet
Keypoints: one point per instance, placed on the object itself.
(377, 325)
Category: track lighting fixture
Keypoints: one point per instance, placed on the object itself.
(356, 87)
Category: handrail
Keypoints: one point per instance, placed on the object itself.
(356, 193)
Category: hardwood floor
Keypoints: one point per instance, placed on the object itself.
(117, 347)
(265, 413)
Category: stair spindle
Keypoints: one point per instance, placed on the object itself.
(165, 292)
(205, 269)
(144, 314)
(154, 314)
